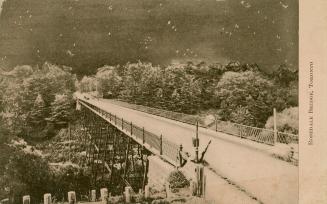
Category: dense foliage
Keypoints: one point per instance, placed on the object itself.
(288, 121)
(36, 102)
(241, 93)
(37, 99)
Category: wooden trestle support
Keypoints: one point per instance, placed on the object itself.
(115, 159)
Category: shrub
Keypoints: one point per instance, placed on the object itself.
(177, 179)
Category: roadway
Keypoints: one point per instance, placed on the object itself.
(268, 179)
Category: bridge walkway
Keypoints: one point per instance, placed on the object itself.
(266, 178)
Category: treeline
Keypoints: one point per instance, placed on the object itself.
(235, 92)
(37, 101)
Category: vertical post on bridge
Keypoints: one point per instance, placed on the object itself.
(216, 123)
(26, 199)
(71, 197)
(161, 144)
(47, 198)
(197, 142)
(143, 136)
(93, 195)
(275, 127)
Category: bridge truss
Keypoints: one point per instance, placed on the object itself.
(117, 150)
(115, 159)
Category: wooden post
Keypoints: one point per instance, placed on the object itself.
(71, 197)
(131, 128)
(26, 199)
(104, 194)
(197, 142)
(161, 144)
(199, 183)
(146, 191)
(122, 123)
(93, 195)
(275, 127)
(47, 198)
(216, 123)
(127, 194)
(143, 137)
(180, 157)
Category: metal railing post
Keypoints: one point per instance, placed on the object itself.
(143, 136)
(275, 127)
(161, 144)
(216, 124)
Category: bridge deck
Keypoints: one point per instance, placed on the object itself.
(268, 179)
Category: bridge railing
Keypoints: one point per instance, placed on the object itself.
(159, 143)
(260, 135)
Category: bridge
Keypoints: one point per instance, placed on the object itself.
(238, 170)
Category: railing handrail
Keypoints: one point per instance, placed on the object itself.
(152, 140)
(195, 118)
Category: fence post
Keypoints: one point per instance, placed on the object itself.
(180, 155)
(275, 127)
(115, 119)
(131, 128)
(26, 199)
(47, 198)
(93, 195)
(127, 194)
(71, 197)
(143, 136)
(104, 194)
(122, 123)
(216, 124)
(161, 144)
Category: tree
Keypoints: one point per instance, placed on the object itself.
(37, 115)
(61, 109)
(109, 81)
(26, 174)
(246, 89)
(23, 85)
(87, 84)
(284, 75)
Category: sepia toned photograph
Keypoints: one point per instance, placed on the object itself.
(150, 101)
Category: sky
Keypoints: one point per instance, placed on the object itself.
(87, 34)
